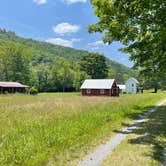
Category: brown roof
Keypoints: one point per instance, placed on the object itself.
(12, 85)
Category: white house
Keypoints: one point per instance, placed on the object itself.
(122, 88)
(132, 85)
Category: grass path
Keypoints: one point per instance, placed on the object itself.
(96, 158)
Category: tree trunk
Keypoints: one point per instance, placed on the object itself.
(63, 88)
(155, 87)
(64, 82)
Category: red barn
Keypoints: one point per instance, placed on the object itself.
(100, 87)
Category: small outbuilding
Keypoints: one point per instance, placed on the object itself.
(12, 87)
(132, 86)
(122, 88)
(100, 87)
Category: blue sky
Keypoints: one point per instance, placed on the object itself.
(62, 22)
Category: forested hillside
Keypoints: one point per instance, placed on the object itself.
(44, 65)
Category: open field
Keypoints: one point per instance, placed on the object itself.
(145, 146)
(56, 129)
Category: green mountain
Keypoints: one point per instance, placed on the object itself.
(45, 53)
(52, 50)
(42, 48)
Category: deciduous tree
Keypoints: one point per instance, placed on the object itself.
(140, 25)
(61, 74)
(15, 62)
(94, 65)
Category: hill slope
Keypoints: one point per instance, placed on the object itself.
(43, 48)
(43, 61)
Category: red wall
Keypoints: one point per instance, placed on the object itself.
(96, 92)
(114, 91)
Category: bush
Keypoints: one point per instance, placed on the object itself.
(33, 91)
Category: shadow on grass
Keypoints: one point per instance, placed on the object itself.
(151, 132)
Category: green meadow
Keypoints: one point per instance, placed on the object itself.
(59, 129)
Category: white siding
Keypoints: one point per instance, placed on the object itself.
(122, 88)
(131, 86)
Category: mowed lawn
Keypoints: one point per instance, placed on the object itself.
(59, 129)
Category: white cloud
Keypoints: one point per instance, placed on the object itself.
(62, 42)
(76, 40)
(94, 48)
(97, 43)
(74, 1)
(40, 2)
(64, 28)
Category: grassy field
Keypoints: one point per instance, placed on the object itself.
(145, 146)
(59, 129)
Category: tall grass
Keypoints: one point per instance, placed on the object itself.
(35, 130)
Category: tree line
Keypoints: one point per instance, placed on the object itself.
(16, 65)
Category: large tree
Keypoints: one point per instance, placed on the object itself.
(62, 75)
(94, 65)
(138, 24)
(15, 63)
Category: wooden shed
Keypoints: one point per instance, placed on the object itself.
(122, 88)
(12, 87)
(100, 87)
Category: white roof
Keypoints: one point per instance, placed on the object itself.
(122, 86)
(12, 84)
(97, 84)
(132, 78)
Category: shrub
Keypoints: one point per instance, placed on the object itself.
(33, 91)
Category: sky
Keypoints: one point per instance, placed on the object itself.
(62, 22)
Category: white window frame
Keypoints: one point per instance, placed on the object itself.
(102, 91)
(88, 91)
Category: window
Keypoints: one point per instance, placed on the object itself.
(102, 91)
(132, 85)
(88, 91)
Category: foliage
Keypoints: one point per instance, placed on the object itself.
(94, 65)
(140, 26)
(43, 77)
(79, 76)
(15, 62)
(57, 128)
(46, 66)
(33, 91)
(61, 74)
(154, 82)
